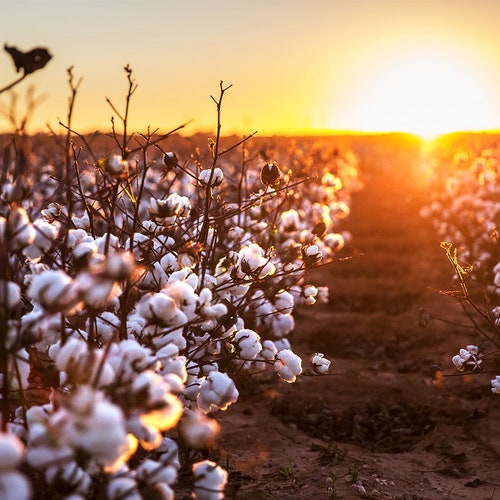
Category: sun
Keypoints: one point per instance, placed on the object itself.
(426, 92)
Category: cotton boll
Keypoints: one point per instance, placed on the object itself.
(158, 308)
(319, 363)
(282, 324)
(45, 234)
(96, 291)
(151, 471)
(284, 302)
(97, 427)
(11, 451)
(217, 391)
(55, 291)
(282, 344)
(123, 488)
(69, 477)
(199, 431)
(209, 177)
(495, 385)
(14, 486)
(248, 344)
(20, 231)
(288, 365)
(106, 326)
(209, 480)
(10, 294)
(268, 351)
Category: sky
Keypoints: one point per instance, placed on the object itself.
(295, 67)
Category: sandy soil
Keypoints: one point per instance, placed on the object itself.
(378, 427)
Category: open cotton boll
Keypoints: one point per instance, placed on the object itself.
(123, 488)
(45, 234)
(217, 392)
(288, 365)
(98, 427)
(14, 486)
(319, 363)
(55, 291)
(20, 230)
(199, 431)
(10, 294)
(284, 302)
(150, 471)
(70, 477)
(158, 308)
(211, 178)
(11, 451)
(209, 480)
(248, 343)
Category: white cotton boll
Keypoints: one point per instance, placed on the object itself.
(69, 475)
(76, 236)
(209, 480)
(45, 234)
(111, 241)
(11, 451)
(182, 292)
(10, 294)
(289, 221)
(323, 295)
(158, 308)
(123, 488)
(282, 344)
(282, 324)
(284, 302)
(248, 343)
(217, 391)
(319, 363)
(150, 471)
(199, 431)
(334, 241)
(309, 294)
(97, 291)
(168, 453)
(106, 326)
(268, 351)
(136, 356)
(84, 250)
(207, 178)
(71, 353)
(148, 435)
(21, 231)
(14, 486)
(43, 456)
(174, 381)
(55, 291)
(165, 417)
(288, 365)
(495, 385)
(98, 427)
(169, 263)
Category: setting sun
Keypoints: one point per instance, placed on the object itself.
(426, 92)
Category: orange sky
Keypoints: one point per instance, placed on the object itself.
(295, 66)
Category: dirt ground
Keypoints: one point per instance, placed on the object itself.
(378, 427)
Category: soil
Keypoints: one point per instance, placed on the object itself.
(379, 426)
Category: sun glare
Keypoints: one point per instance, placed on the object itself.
(426, 93)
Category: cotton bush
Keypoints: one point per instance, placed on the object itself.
(140, 294)
(466, 215)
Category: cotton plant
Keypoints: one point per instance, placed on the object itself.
(139, 293)
(465, 212)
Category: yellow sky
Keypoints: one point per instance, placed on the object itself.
(295, 66)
